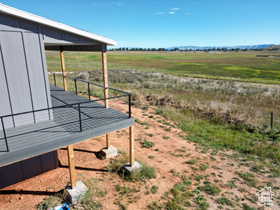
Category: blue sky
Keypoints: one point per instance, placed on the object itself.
(162, 23)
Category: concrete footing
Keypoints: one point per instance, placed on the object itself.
(76, 194)
(129, 169)
(107, 153)
(60, 207)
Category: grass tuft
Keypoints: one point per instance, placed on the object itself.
(224, 201)
(147, 144)
(202, 203)
(125, 190)
(154, 189)
(51, 201)
(249, 178)
(209, 188)
(88, 201)
(144, 173)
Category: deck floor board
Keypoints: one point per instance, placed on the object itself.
(28, 141)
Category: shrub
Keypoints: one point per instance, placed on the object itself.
(147, 144)
(191, 162)
(209, 188)
(124, 190)
(201, 202)
(247, 207)
(50, 202)
(154, 189)
(88, 202)
(224, 201)
(144, 173)
(248, 178)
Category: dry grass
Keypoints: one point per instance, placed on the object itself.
(229, 102)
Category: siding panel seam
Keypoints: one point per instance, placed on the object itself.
(43, 68)
(28, 76)
(7, 84)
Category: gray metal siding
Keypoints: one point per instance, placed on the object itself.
(45, 75)
(25, 85)
(23, 76)
(5, 105)
(36, 75)
(14, 59)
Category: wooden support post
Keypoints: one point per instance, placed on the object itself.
(63, 69)
(105, 85)
(107, 140)
(105, 77)
(71, 162)
(131, 146)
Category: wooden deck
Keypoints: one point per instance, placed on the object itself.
(29, 141)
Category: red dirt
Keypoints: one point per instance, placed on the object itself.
(169, 157)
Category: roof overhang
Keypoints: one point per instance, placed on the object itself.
(41, 20)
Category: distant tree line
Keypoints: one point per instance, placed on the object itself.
(221, 49)
(138, 49)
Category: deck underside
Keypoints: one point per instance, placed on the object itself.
(29, 141)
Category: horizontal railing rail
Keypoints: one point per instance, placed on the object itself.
(85, 81)
(129, 95)
(62, 106)
(77, 106)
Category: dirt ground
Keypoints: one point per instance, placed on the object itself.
(168, 156)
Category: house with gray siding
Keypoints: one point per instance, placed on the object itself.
(38, 118)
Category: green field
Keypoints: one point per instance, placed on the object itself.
(214, 113)
(240, 66)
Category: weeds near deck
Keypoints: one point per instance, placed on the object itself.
(51, 202)
(210, 188)
(88, 201)
(147, 144)
(248, 178)
(144, 173)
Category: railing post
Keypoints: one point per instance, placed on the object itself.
(105, 76)
(63, 69)
(88, 91)
(54, 79)
(129, 105)
(76, 89)
(71, 162)
(80, 117)
(5, 135)
(131, 146)
(271, 120)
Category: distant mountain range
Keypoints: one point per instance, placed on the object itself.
(274, 47)
(203, 48)
(242, 47)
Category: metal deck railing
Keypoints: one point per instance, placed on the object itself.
(76, 106)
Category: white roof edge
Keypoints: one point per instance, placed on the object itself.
(38, 19)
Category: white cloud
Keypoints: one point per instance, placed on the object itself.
(175, 9)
